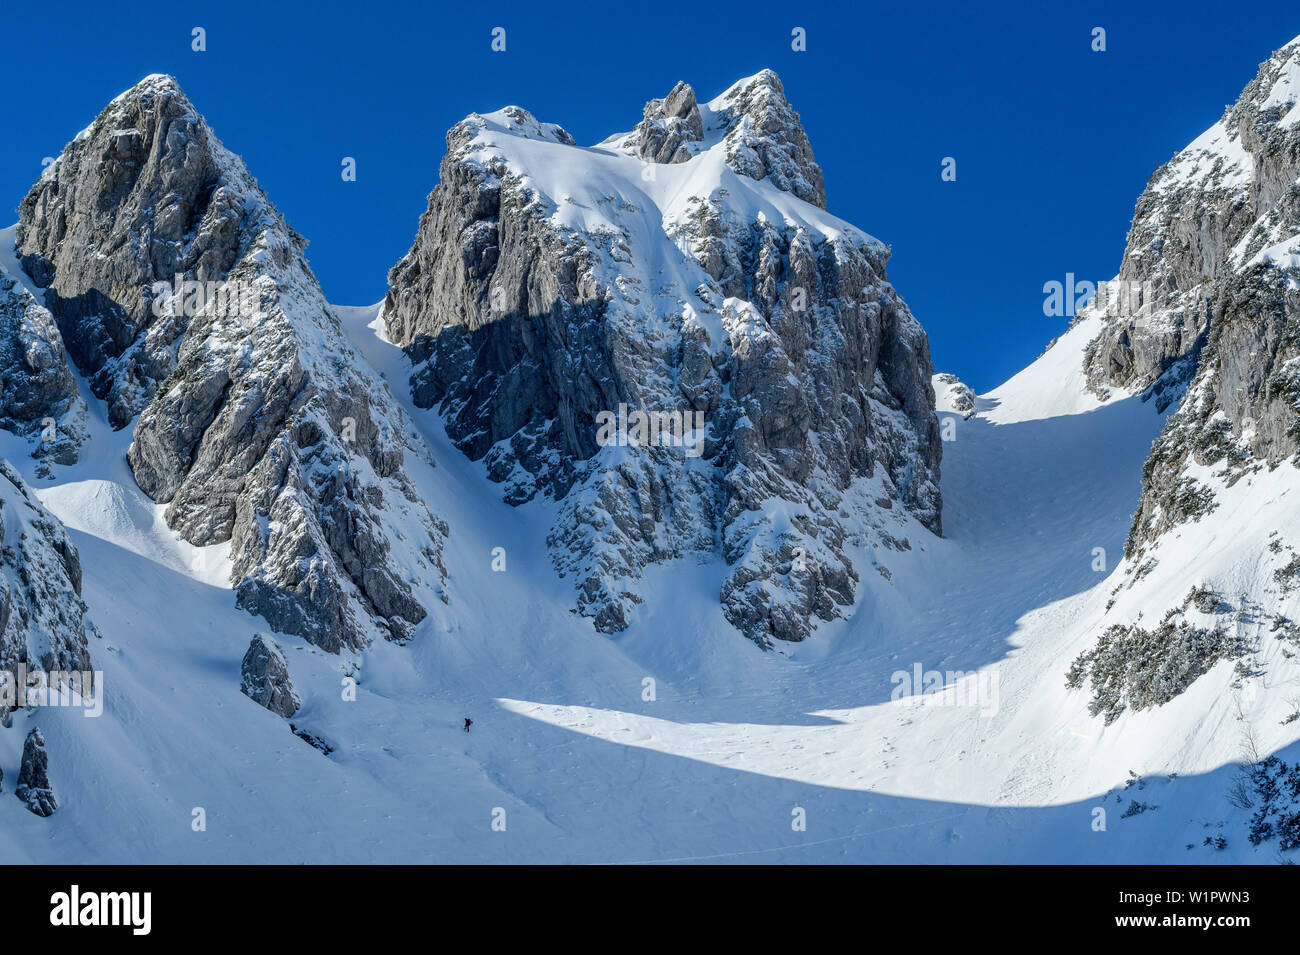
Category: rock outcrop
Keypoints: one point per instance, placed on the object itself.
(44, 623)
(764, 138)
(953, 394)
(187, 302)
(38, 393)
(34, 789)
(264, 677)
(1204, 319)
(670, 127)
(555, 294)
(1204, 310)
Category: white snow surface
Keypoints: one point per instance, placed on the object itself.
(587, 769)
(593, 187)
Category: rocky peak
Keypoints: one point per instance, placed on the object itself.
(765, 139)
(751, 124)
(551, 288)
(510, 120)
(186, 300)
(1204, 318)
(151, 192)
(1209, 211)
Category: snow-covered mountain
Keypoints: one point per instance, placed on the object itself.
(779, 620)
(187, 303)
(1205, 318)
(685, 269)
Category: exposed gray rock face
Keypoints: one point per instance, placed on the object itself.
(38, 393)
(1204, 215)
(1241, 408)
(137, 198)
(1206, 313)
(265, 677)
(1213, 261)
(186, 299)
(34, 787)
(536, 307)
(670, 124)
(43, 620)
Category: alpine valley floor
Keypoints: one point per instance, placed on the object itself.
(734, 742)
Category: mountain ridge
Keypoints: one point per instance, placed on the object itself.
(550, 284)
(962, 697)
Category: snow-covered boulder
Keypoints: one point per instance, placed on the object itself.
(34, 789)
(953, 395)
(264, 677)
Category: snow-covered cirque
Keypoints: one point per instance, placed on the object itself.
(925, 717)
(712, 769)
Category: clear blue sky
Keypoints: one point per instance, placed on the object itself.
(1053, 142)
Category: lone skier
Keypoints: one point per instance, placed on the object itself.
(467, 722)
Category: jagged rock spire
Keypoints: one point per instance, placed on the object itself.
(187, 301)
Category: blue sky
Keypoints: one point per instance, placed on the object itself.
(1053, 142)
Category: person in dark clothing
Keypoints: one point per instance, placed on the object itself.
(467, 722)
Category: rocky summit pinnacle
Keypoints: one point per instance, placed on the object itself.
(186, 300)
(760, 134)
(683, 279)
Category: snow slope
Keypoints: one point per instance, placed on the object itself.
(735, 741)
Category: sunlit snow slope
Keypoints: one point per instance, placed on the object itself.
(734, 742)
